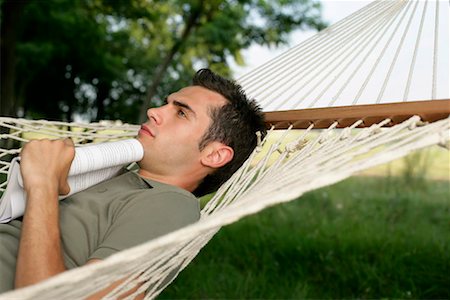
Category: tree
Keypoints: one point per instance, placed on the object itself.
(11, 11)
(209, 31)
(111, 59)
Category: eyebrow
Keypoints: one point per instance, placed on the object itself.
(185, 106)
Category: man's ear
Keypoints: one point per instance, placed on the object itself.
(216, 155)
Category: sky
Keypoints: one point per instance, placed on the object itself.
(332, 11)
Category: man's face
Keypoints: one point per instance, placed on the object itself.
(172, 134)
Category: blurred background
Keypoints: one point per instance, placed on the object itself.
(112, 59)
(381, 234)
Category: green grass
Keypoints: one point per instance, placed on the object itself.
(362, 238)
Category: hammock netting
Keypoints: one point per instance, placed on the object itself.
(280, 169)
(283, 173)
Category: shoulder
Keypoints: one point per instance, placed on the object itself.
(166, 192)
(162, 199)
(168, 202)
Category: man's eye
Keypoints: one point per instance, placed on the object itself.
(181, 113)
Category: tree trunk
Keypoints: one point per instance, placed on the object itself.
(11, 15)
(151, 91)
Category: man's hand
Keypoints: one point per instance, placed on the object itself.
(44, 166)
(47, 163)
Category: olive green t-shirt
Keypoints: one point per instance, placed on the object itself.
(111, 216)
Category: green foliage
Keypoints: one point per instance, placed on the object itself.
(361, 238)
(98, 58)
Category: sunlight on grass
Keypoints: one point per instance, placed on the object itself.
(49, 133)
(432, 162)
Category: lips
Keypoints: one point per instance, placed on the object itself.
(146, 131)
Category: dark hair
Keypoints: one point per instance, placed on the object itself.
(235, 124)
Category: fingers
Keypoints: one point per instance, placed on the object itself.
(48, 160)
(68, 141)
(64, 187)
(48, 143)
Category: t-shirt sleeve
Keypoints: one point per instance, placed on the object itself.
(145, 218)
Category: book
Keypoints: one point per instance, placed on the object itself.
(92, 164)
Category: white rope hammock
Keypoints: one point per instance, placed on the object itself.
(284, 170)
(389, 51)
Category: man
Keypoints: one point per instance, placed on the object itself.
(192, 144)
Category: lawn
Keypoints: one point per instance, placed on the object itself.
(366, 237)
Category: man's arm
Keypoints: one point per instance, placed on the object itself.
(39, 255)
(44, 166)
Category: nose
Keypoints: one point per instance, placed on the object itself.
(154, 114)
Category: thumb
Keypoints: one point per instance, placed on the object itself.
(64, 187)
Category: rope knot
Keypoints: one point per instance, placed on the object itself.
(345, 133)
(259, 143)
(416, 122)
(295, 146)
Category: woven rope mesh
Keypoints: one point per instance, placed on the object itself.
(15, 132)
(272, 175)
